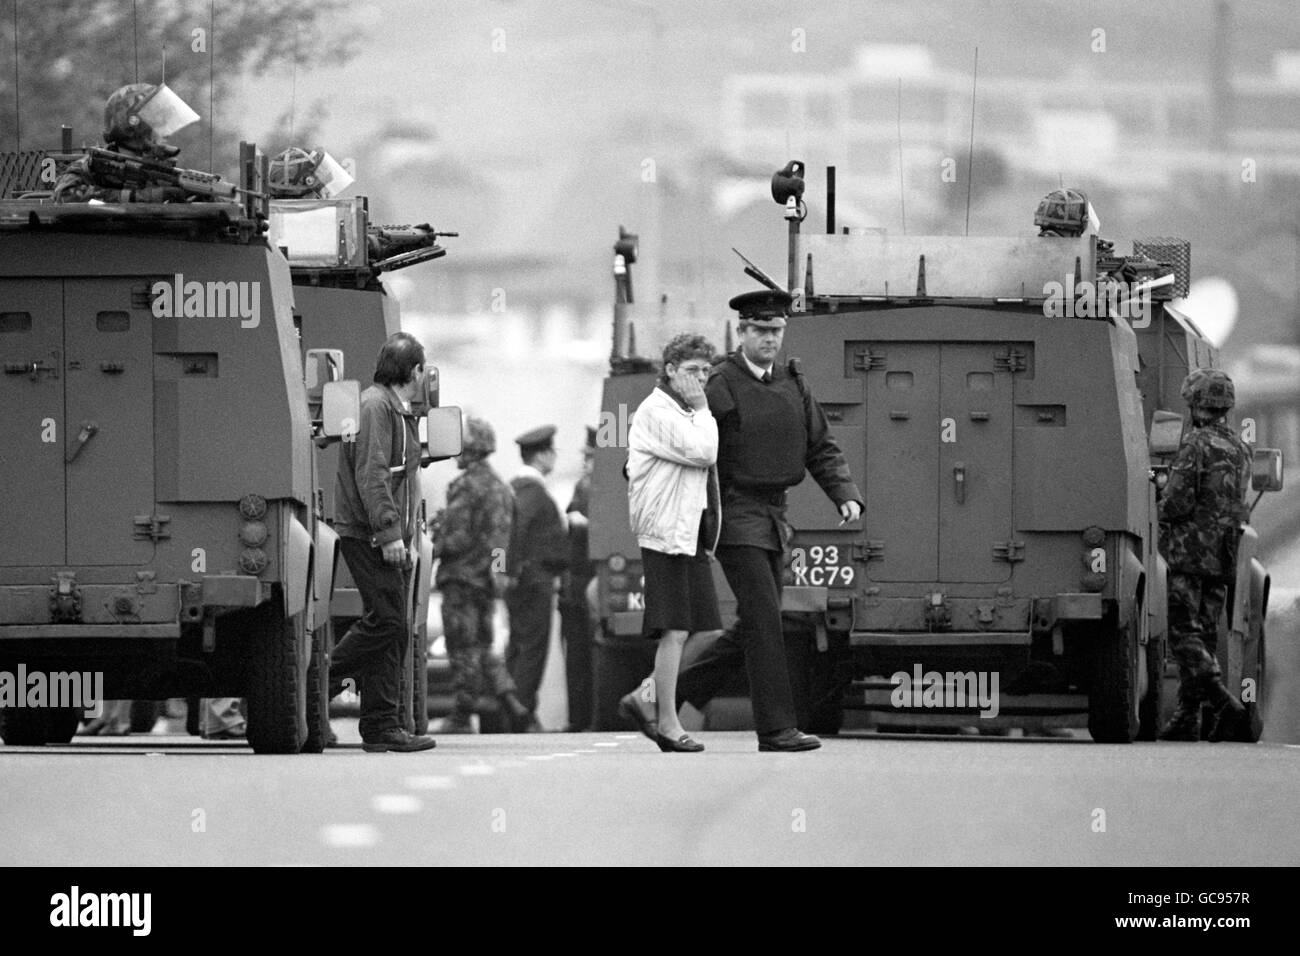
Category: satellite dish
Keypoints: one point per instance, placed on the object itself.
(1212, 304)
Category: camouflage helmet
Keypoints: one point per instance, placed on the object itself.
(298, 173)
(122, 122)
(480, 440)
(1063, 211)
(1209, 388)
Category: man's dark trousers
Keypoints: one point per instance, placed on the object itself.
(371, 651)
(530, 609)
(755, 578)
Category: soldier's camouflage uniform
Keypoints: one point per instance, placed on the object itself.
(1201, 512)
(475, 534)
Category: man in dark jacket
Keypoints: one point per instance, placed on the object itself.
(770, 431)
(377, 498)
(538, 553)
(1201, 511)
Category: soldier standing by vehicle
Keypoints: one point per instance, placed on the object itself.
(771, 430)
(1201, 511)
(137, 118)
(376, 500)
(471, 575)
(538, 553)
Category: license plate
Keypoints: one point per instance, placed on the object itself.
(822, 566)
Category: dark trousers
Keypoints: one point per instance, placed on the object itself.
(371, 651)
(530, 636)
(576, 634)
(467, 625)
(755, 578)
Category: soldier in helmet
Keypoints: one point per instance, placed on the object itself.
(137, 119)
(1200, 516)
(298, 173)
(1066, 212)
(471, 574)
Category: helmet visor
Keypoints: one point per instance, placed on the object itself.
(333, 178)
(166, 113)
(1094, 224)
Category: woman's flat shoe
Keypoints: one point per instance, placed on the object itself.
(683, 744)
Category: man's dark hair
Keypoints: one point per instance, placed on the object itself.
(685, 345)
(398, 359)
(531, 454)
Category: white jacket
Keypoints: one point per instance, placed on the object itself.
(671, 452)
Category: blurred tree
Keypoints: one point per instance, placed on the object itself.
(70, 57)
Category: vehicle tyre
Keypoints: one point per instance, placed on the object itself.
(144, 714)
(1252, 727)
(37, 726)
(277, 653)
(1112, 695)
(1149, 714)
(318, 694)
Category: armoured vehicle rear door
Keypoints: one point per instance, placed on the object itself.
(108, 436)
(77, 428)
(31, 423)
(939, 453)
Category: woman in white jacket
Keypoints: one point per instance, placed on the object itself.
(673, 504)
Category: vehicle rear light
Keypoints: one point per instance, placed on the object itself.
(252, 561)
(252, 507)
(253, 534)
(618, 582)
(1093, 536)
(616, 563)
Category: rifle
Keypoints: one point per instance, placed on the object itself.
(131, 172)
(395, 247)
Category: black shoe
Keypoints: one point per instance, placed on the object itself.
(399, 741)
(684, 744)
(630, 709)
(1228, 712)
(789, 740)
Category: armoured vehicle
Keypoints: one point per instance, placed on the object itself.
(1007, 406)
(336, 259)
(163, 469)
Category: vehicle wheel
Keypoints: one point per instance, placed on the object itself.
(277, 654)
(1112, 695)
(37, 726)
(318, 694)
(1252, 728)
(1149, 714)
(144, 714)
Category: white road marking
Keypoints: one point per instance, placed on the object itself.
(395, 803)
(605, 743)
(475, 770)
(541, 756)
(430, 783)
(349, 835)
(626, 736)
(564, 755)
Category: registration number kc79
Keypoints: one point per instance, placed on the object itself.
(825, 566)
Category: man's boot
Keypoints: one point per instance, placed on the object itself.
(1185, 724)
(1228, 711)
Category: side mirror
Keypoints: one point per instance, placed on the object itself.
(1266, 470)
(341, 410)
(426, 396)
(322, 365)
(444, 436)
(1166, 433)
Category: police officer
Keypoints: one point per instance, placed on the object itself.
(538, 552)
(137, 118)
(475, 533)
(771, 430)
(1201, 511)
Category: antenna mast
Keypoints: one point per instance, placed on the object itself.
(135, 35)
(212, 67)
(902, 202)
(18, 103)
(970, 156)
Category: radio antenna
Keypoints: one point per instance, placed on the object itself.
(18, 102)
(135, 35)
(212, 71)
(970, 157)
(293, 83)
(164, 65)
(902, 201)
